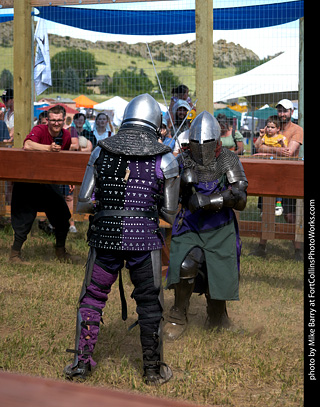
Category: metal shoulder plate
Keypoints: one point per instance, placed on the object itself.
(236, 173)
(169, 165)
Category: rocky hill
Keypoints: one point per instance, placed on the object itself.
(225, 54)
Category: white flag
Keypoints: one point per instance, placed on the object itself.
(42, 67)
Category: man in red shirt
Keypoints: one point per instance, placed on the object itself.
(29, 198)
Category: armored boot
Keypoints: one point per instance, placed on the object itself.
(178, 314)
(217, 314)
(78, 372)
(155, 371)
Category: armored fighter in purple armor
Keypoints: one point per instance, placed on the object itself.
(135, 180)
(205, 244)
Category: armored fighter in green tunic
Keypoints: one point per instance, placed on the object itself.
(205, 246)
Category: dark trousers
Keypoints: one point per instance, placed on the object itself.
(27, 200)
(93, 299)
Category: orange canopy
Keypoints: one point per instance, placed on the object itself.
(68, 108)
(84, 101)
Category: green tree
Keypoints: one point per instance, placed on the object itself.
(128, 83)
(168, 81)
(70, 81)
(6, 79)
(83, 63)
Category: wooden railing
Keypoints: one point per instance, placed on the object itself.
(267, 178)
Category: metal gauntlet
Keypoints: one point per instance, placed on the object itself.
(236, 196)
(213, 202)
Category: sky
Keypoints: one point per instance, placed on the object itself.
(264, 42)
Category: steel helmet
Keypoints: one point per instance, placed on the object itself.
(203, 138)
(143, 110)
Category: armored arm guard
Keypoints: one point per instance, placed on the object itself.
(170, 168)
(85, 204)
(235, 196)
(239, 184)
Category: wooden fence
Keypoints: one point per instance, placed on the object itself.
(267, 178)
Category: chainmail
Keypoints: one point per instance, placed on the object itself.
(225, 161)
(134, 140)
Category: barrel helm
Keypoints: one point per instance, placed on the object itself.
(143, 110)
(203, 138)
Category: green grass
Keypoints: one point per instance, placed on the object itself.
(259, 365)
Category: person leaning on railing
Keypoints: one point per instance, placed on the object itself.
(30, 198)
(294, 135)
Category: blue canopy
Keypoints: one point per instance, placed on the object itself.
(168, 22)
(37, 111)
(5, 17)
(229, 113)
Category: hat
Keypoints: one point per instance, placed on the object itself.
(164, 121)
(7, 94)
(180, 103)
(286, 103)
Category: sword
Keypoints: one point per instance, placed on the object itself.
(165, 102)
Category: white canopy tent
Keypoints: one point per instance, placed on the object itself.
(267, 83)
(116, 106)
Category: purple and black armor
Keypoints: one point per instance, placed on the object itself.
(116, 196)
(134, 180)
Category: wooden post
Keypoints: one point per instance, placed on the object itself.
(299, 229)
(268, 218)
(22, 69)
(204, 55)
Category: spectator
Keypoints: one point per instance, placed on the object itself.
(4, 137)
(67, 193)
(43, 118)
(231, 138)
(4, 132)
(179, 92)
(129, 173)
(166, 137)
(102, 127)
(7, 97)
(294, 136)
(271, 135)
(29, 198)
(293, 132)
(273, 138)
(205, 245)
(66, 190)
(180, 110)
(78, 121)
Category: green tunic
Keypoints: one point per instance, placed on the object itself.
(220, 249)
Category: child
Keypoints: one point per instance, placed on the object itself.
(272, 136)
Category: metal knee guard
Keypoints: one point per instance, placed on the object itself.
(189, 269)
(191, 265)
